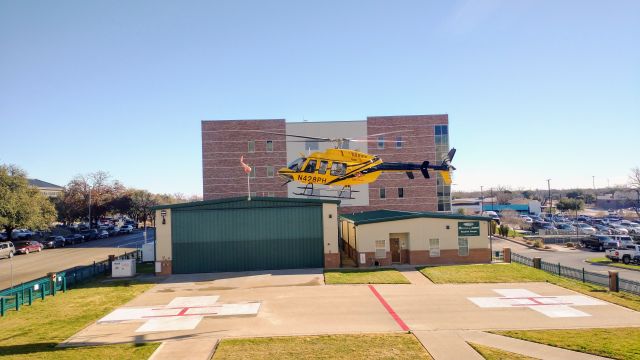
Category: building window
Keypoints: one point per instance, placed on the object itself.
(434, 247)
(323, 167)
(442, 149)
(380, 142)
(381, 251)
(383, 193)
(252, 174)
(270, 194)
(254, 194)
(311, 145)
(269, 145)
(400, 192)
(399, 142)
(463, 247)
(270, 171)
(251, 146)
(344, 144)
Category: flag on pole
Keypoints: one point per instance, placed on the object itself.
(245, 167)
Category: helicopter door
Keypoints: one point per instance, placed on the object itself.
(311, 166)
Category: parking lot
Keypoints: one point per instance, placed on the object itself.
(22, 268)
(567, 257)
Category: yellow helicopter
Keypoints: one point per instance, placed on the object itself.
(344, 167)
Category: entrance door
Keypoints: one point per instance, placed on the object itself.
(394, 244)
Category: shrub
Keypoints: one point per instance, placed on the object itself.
(538, 244)
(570, 245)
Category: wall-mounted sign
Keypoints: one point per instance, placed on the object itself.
(163, 213)
(469, 228)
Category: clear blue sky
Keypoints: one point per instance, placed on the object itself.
(533, 89)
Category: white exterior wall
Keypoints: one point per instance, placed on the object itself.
(330, 228)
(163, 236)
(420, 230)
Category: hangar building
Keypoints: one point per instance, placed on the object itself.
(236, 234)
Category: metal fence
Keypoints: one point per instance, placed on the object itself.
(579, 274)
(26, 293)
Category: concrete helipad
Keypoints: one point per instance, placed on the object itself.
(298, 303)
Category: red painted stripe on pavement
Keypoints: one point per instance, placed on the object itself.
(386, 305)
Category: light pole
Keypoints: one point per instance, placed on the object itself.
(89, 207)
(481, 200)
(550, 200)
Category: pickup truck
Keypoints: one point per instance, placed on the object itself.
(627, 254)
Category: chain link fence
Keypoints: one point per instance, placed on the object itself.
(579, 274)
(24, 294)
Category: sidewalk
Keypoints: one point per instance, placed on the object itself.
(197, 349)
(524, 347)
(413, 275)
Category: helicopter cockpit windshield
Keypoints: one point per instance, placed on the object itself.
(296, 165)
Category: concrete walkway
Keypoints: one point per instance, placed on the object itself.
(524, 347)
(446, 345)
(197, 349)
(413, 275)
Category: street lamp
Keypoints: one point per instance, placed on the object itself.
(481, 200)
(550, 200)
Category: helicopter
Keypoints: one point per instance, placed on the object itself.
(344, 167)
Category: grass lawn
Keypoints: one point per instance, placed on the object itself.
(605, 261)
(351, 347)
(368, 276)
(617, 343)
(495, 273)
(34, 331)
(490, 353)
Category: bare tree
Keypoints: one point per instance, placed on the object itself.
(634, 184)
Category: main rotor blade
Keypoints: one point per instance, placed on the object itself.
(389, 132)
(292, 135)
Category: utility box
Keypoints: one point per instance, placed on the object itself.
(123, 268)
(148, 252)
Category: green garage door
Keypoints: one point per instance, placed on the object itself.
(260, 236)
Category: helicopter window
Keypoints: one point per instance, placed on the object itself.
(338, 169)
(311, 166)
(296, 164)
(323, 167)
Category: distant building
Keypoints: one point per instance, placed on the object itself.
(474, 206)
(47, 189)
(617, 200)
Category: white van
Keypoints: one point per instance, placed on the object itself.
(622, 240)
(6, 249)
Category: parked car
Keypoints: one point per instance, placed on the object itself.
(52, 242)
(632, 227)
(602, 229)
(89, 234)
(113, 231)
(623, 240)
(7, 249)
(565, 228)
(618, 229)
(132, 223)
(73, 239)
(103, 234)
(626, 255)
(585, 229)
(21, 234)
(27, 246)
(126, 229)
(599, 242)
(526, 219)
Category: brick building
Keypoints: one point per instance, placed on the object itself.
(421, 137)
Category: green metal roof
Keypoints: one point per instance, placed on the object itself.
(197, 204)
(369, 217)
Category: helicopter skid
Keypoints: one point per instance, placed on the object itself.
(344, 193)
